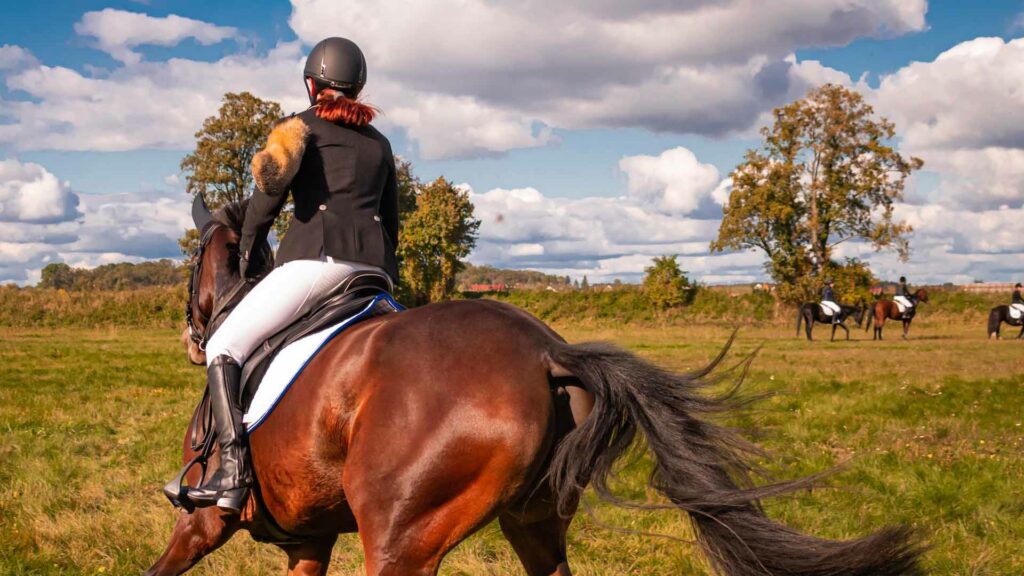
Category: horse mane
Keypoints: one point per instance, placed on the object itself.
(232, 214)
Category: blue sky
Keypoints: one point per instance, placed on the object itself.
(567, 127)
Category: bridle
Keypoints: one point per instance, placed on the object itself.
(221, 304)
(199, 337)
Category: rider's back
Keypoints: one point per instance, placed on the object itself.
(339, 209)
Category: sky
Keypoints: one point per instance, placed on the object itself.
(592, 134)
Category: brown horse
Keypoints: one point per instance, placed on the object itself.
(416, 429)
(883, 309)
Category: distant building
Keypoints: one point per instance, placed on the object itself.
(986, 287)
(487, 288)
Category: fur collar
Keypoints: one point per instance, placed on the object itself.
(274, 167)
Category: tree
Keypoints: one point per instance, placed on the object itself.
(435, 237)
(218, 168)
(57, 275)
(823, 176)
(665, 283)
(585, 284)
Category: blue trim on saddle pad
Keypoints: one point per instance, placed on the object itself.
(382, 297)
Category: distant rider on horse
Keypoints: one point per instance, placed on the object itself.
(1018, 300)
(341, 173)
(905, 297)
(828, 301)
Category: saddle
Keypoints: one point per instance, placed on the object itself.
(351, 297)
(1016, 311)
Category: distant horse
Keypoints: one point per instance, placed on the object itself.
(883, 309)
(418, 428)
(1001, 314)
(811, 312)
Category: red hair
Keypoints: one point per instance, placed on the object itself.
(334, 106)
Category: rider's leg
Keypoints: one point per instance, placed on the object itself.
(282, 297)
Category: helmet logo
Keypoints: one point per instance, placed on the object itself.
(323, 67)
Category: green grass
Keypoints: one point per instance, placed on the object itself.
(931, 432)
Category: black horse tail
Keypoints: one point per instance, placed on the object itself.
(799, 317)
(700, 467)
(995, 318)
(871, 316)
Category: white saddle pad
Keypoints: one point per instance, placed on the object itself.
(827, 309)
(1016, 311)
(289, 363)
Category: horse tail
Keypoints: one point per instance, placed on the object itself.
(871, 315)
(799, 317)
(701, 467)
(994, 320)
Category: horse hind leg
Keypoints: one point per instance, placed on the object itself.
(195, 536)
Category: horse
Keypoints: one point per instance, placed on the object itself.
(883, 309)
(415, 429)
(1001, 314)
(811, 312)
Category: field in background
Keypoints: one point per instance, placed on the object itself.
(930, 430)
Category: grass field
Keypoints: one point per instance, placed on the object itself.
(931, 431)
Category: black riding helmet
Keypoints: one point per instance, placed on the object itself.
(335, 63)
(903, 279)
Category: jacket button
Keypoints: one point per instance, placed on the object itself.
(323, 207)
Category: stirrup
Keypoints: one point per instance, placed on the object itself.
(176, 491)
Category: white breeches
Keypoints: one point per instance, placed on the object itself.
(284, 296)
(904, 301)
(830, 307)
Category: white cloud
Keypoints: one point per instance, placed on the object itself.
(463, 77)
(503, 67)
(93, 229)
(29, 193)
(674, 181)
(13, 57)
(117, 32)
(963, 113)
(146, 105)
(600, 237)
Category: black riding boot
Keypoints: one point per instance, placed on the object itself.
(228, 487)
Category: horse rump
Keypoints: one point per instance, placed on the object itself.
(702, 468)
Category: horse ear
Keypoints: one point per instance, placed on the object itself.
(201, 215)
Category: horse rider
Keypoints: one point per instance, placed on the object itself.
(828, 301)
(904, 296)
(1018, 300)
(341, 173)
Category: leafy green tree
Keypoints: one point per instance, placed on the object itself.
(225, 145)
(825, 174)
(665, 283)
(119, 276)
(408, 186)
(57, 275)
(435, 237)
(585, 284)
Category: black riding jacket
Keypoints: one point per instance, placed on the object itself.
(346, 199)
(829, 295)
(904, 290)
(1017, 298)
